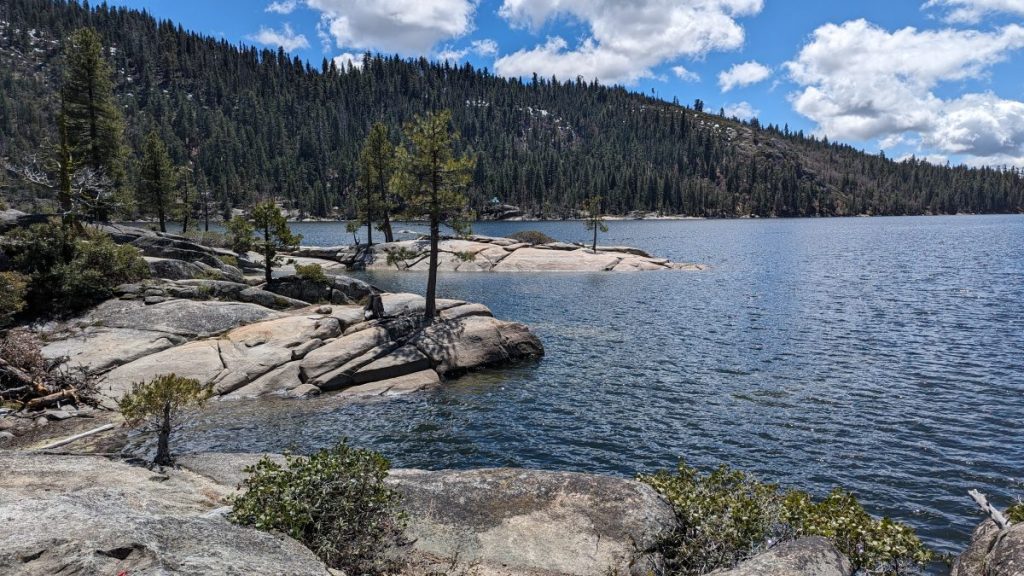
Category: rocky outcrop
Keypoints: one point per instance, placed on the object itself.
(161, 290)
(488, 254)
(513, 521)
(89, 515)
(811, 556)
(244, 350)
(993, 552)
(334, 289)
(177, 248)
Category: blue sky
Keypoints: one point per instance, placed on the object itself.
(940, 79)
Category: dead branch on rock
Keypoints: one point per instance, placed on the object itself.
(989, 509)
(32, 382)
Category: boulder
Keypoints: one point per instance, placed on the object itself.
(476, 341)
(416, 382)
(89, 515)
(403, 361)
(811, 556)
(993, 552)
(337, 353)
(174, 269)
(178, 248)
(511, 521)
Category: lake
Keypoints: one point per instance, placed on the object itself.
(884, 355)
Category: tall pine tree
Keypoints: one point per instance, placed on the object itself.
(156, 180)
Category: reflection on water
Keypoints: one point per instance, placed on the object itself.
(883, 355)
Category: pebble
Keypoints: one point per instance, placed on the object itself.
(42, 421)
(324, 310)
(5, 436)
(58, 414)
(149, 300)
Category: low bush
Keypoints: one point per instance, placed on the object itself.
(726, 516)
(70, 269)
(240, 233)
(229, 260)
(215, 239)
(13, 287)
(311, 272)
(532, 237)
(1015, 513)
(335, 502)
(158, 406)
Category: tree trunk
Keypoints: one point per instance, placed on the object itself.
(369, 217)
(206, 210)
(435, 232)
(268, 260)
(160, 214)
(594, 247)
(163, 450)
(389, 236)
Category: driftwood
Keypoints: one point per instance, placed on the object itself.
(989, 509)
(71, 439)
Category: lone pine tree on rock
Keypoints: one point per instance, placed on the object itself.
(272, 234)
(159, 405)
(594, 219)
(433, 180)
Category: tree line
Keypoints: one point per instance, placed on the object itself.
(241, 124)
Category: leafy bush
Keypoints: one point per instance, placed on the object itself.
(532, 237)
(335, 502)
(229, 260)
(240, 232)
(215, 239)
(1015, 513)
(13, 287)
(159, 405)
(727, 516)
(311, 272)
(71, 269)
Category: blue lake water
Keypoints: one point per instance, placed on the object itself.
(884, 355)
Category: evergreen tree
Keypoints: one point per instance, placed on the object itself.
(90, 116)
(156, 180)
(594, 219)
(432, 181)
(272, 234)
(376, 167)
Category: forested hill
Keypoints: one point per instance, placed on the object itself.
(259, 123)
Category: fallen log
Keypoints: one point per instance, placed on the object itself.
(43, 402)
(71, 439)
(989, 509)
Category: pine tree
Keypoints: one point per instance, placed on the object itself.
(376, 167)
(432, 181)
(156, 179)
(594, 218)
(95, 129)
(272, 234)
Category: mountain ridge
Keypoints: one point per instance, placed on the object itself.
(260, 123)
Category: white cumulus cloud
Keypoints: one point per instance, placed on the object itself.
(626, 39)
(285, 38)
(741, 110)
(485, 47)
(686, 75)
(282, 6)
(973, 11)
(346, 59)
(743, 74)
(408, 27)
(860, 81)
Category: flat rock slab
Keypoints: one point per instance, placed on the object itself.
(90, 515)
(99, 349)
(187, 318)
(812, 556)
(513, 521)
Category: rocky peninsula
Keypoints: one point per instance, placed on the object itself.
(490, 254)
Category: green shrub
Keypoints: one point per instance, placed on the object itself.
(466, 256)
(240, 232)
(727, 516)
(158, 406)
(532, 237)
(311, 272)
(71, 270)
(215, 239)
(723, 517)
(335, 502)
(13, 287)
(1015, 513)
(229, 260)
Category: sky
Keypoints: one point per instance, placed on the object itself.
(942, 80)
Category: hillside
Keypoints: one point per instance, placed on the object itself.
(260, 123)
